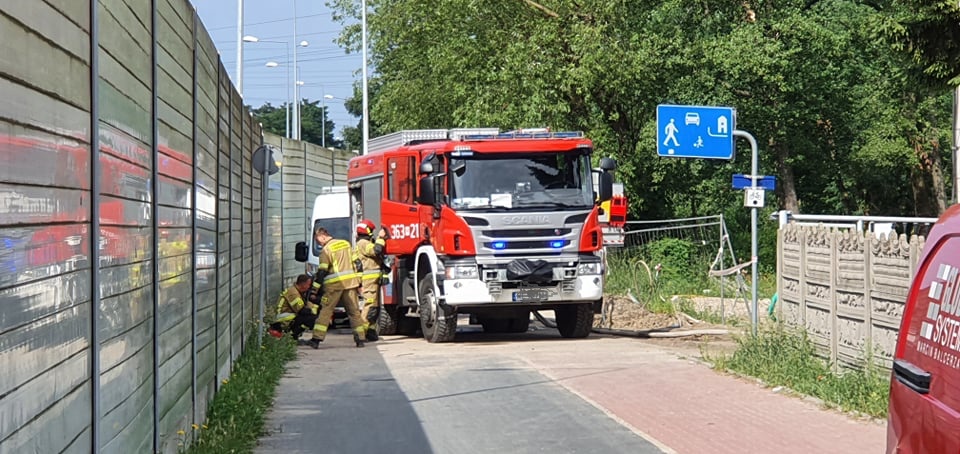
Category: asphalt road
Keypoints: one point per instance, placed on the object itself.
(475, 395)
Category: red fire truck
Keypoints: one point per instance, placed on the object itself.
(485, 223)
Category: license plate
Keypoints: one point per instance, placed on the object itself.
(531, 295)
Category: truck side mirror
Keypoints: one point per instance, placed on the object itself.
(428, 195)
(606, 186)
(300, 252)
(426, 168)
(608, 164)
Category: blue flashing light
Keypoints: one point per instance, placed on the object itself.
(499, 244)
(557, 244)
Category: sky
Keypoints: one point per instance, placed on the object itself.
(325, 68)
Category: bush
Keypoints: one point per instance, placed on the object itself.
(788, 359)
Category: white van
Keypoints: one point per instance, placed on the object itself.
(331, 209)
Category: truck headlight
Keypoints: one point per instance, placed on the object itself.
(462, 272)
(589, 268)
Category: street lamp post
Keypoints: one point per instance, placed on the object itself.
(271, 64)
(323, 119)
(240, 47)
(366, 116)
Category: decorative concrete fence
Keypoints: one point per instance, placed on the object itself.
(846, 289)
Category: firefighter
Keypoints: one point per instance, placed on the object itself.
(294, 313)
(371, 254)
(339, 274)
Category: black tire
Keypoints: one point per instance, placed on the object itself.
(574, 320)
(387, 322)
(519, 324)
(444, 327)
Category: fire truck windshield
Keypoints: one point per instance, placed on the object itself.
(521, 181)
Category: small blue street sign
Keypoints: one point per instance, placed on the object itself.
(741, 181)
(695, 131)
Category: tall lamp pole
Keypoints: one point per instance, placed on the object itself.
(240, 47)
(323, 121)
(273, 64)
(366, 116)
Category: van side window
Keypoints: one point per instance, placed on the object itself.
(401, 179)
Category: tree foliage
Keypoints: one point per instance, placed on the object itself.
(838, 112)
(315, 125)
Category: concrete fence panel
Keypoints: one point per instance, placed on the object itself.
(846, 289)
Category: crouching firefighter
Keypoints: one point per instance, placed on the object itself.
(294, 313)
(340, 280)
(371, 253)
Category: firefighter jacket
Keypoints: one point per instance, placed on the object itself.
(290, 301)
(371, 257)
(337, 266)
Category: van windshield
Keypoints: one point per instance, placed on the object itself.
(339, 229)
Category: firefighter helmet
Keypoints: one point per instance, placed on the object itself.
(365, 227)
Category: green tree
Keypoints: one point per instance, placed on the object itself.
(314, 122)
(837, 119)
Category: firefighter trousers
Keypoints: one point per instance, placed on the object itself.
(295, 324)
(370, 298)
(328, 302)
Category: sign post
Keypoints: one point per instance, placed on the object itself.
(754, 164)
(708, 133)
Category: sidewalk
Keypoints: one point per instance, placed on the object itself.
(679, 405)
(688, 407)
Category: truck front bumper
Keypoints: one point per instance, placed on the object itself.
(586, 288)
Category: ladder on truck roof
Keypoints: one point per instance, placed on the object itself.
(415, 136)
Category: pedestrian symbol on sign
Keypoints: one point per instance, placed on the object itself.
(671, 132)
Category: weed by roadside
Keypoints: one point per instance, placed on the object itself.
(782, 358)
(236, 415)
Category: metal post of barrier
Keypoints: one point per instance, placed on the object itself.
(94, 227)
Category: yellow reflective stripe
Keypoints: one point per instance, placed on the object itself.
(370, 275)
(321, 328)
(316, 285)
(337, 277)
(360, 330)
(381, 241)
(323, 266)
(285, 317)
(297, 304)
(338, 245)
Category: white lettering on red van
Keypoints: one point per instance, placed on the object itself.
(940, 328)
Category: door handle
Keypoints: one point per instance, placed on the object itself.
(912, 376)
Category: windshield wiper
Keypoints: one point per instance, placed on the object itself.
(551, 205)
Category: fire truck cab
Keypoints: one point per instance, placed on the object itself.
(485, 223)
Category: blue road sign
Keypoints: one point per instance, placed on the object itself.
(741, 181)
(695, 131)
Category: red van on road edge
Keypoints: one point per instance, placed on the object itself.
(924, 407)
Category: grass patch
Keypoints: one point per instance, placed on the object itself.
(237, 413)
(780, 358)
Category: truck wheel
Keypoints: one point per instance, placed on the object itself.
(519, 324)
(387, 322)
(574, 320)
(438, 321)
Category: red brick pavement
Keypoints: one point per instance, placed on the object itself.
(689, 408)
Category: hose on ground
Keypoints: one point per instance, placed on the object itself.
(663, 332)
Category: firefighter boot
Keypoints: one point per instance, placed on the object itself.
(358, 340)
(315, 343)
(372, 335)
